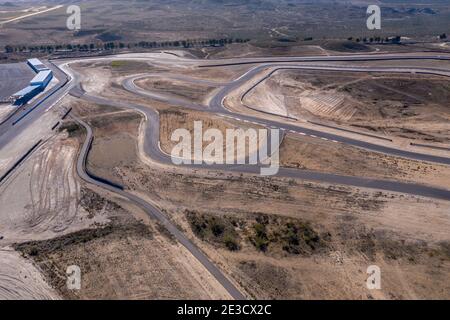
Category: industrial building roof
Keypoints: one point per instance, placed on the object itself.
(41, 77)
(34, 61)
(24, 91)
(37, 64)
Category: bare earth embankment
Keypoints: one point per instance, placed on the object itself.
(412, 107)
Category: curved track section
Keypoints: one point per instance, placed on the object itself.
(152, 212)
(153, 151)
(216, 105)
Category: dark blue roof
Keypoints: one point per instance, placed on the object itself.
(25, 91)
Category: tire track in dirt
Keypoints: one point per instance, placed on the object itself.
(42, 198)
(20, 279)
(50, 188)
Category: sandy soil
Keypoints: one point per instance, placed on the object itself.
(5, 111)
(94, 79)
(41, 199)
(105, 77)
(21, 143)
(63, 222)
(218, 74)
(98, 76)
(348, 228)
(124, 260)
(411, 219)
(303, 152)
(190, 91)
(124, 124)
(21, 280)
(117, 152)
(396, 105)
(366, 227)
(280, 94)
(322, 260)
(249, 50)
(173, 119)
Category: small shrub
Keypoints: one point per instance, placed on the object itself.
(217, 228)
(260, 239)
(231, 243)
(214, 229)
(299, 238)
(33, 252)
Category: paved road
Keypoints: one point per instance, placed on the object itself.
(154, 213)
(341, 58)
(30, 113)
(152, 149)
(216, 106)
(26, 117)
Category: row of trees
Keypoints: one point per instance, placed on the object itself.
(190, 43)
(395, 39)
(113, 45)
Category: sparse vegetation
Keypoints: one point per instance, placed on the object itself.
(118, 63)
(92, 202)
(274, 237)
(268, 234)
(299, 238)
(293, 236)
(260, 239)
(214, 229)
(108, 43)
(72, 128)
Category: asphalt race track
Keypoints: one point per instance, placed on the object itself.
(70, 83)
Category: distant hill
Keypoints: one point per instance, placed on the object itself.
(259, 20)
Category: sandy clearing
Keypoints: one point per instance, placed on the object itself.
(41, 199)
(20, 279)
(95, 81)
(172, 120)
(264, 99)
(5, 110)
(302, 152)
(125, 259)
(19, 144)
(342, 110)
(190, 91)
